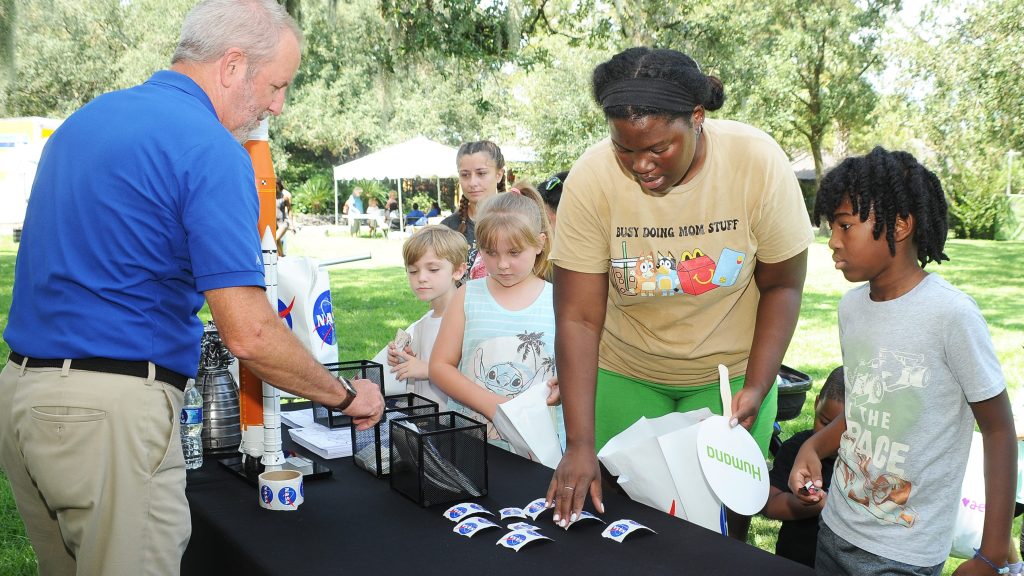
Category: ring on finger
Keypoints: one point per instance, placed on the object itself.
(569, 488)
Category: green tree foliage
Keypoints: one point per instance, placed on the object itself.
(8, 20)
(810, 84)
(66, 53)
(971, 107)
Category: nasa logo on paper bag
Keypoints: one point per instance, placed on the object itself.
(323, 318)
(284, 311)
(733, 465)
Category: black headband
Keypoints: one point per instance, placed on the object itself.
(648, 93)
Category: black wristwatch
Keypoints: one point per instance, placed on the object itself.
(350, 389)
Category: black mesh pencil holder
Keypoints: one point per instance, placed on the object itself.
(371, 448)
(351, 370)
(438, 458)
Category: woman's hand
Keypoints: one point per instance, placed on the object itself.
(745, 406)
(577, 474)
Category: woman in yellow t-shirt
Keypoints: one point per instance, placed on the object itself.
(682, 244)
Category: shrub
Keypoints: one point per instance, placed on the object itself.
(314, 196)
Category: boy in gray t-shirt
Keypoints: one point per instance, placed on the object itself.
(920, 369)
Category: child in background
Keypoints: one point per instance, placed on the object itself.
(435, 260)
(497, 336)
(481, 175)
(551, 192)
(920, 369)
(798, 535)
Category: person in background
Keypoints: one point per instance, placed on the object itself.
(373, 209)
(682, 244)
(493, 320)
(481, 175)
(435, 261)
(391, 204)
(435, 210)
(415, 217)
(920, 371)
(102, 341)
(798, 535)
(551, 191)
(283, 206)
(352, 206)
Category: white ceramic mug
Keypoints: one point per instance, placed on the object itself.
(281, 490)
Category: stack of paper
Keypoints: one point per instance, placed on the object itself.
(323, 441)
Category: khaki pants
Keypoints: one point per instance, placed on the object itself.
(96, 467)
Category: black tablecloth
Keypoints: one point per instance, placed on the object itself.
(353, 523)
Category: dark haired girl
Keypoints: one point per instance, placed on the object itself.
(481, 175)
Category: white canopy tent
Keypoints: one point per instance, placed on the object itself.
(416, 158)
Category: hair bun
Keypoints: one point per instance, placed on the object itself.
(717, 97)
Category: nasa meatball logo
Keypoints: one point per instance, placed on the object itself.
(536, 507)
(619, 529)
(323, 318)
(266, 494)
(287, 496)
(467, 528)
(515, 539)
(285, 311)
(456, 512)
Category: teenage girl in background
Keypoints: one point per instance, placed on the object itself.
(481, 175)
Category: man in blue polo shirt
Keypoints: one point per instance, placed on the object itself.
(144, 204)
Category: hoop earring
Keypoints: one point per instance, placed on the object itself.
(700, 128)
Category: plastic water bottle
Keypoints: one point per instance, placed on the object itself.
(192, 426)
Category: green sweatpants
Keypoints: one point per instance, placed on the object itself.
(622, 400)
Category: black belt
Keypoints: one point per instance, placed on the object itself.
(135, 368)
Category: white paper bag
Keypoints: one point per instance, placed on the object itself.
(691, 464)
(637, 455)
(304, 304)
(526, 423)
(970, 516)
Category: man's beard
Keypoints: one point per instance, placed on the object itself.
(242, 132)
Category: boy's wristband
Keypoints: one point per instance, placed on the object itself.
(1004, 570)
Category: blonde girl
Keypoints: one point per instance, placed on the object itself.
(497, 336)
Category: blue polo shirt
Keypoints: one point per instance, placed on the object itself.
(142, 201)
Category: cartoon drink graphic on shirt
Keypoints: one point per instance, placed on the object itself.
(624, 273)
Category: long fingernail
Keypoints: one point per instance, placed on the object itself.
(733, 422)
(556, 517)
(562, 523)
(573, 517)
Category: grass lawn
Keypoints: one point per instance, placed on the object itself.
(371, 303)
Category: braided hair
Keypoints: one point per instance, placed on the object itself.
(891, 185)
(494, 152)
(670, 66)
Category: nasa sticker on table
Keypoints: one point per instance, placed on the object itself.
(733, 465)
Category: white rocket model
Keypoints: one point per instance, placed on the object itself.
(273, 457)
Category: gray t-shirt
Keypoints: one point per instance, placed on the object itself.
(912, 366)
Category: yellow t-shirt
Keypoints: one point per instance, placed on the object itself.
(682, 297)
